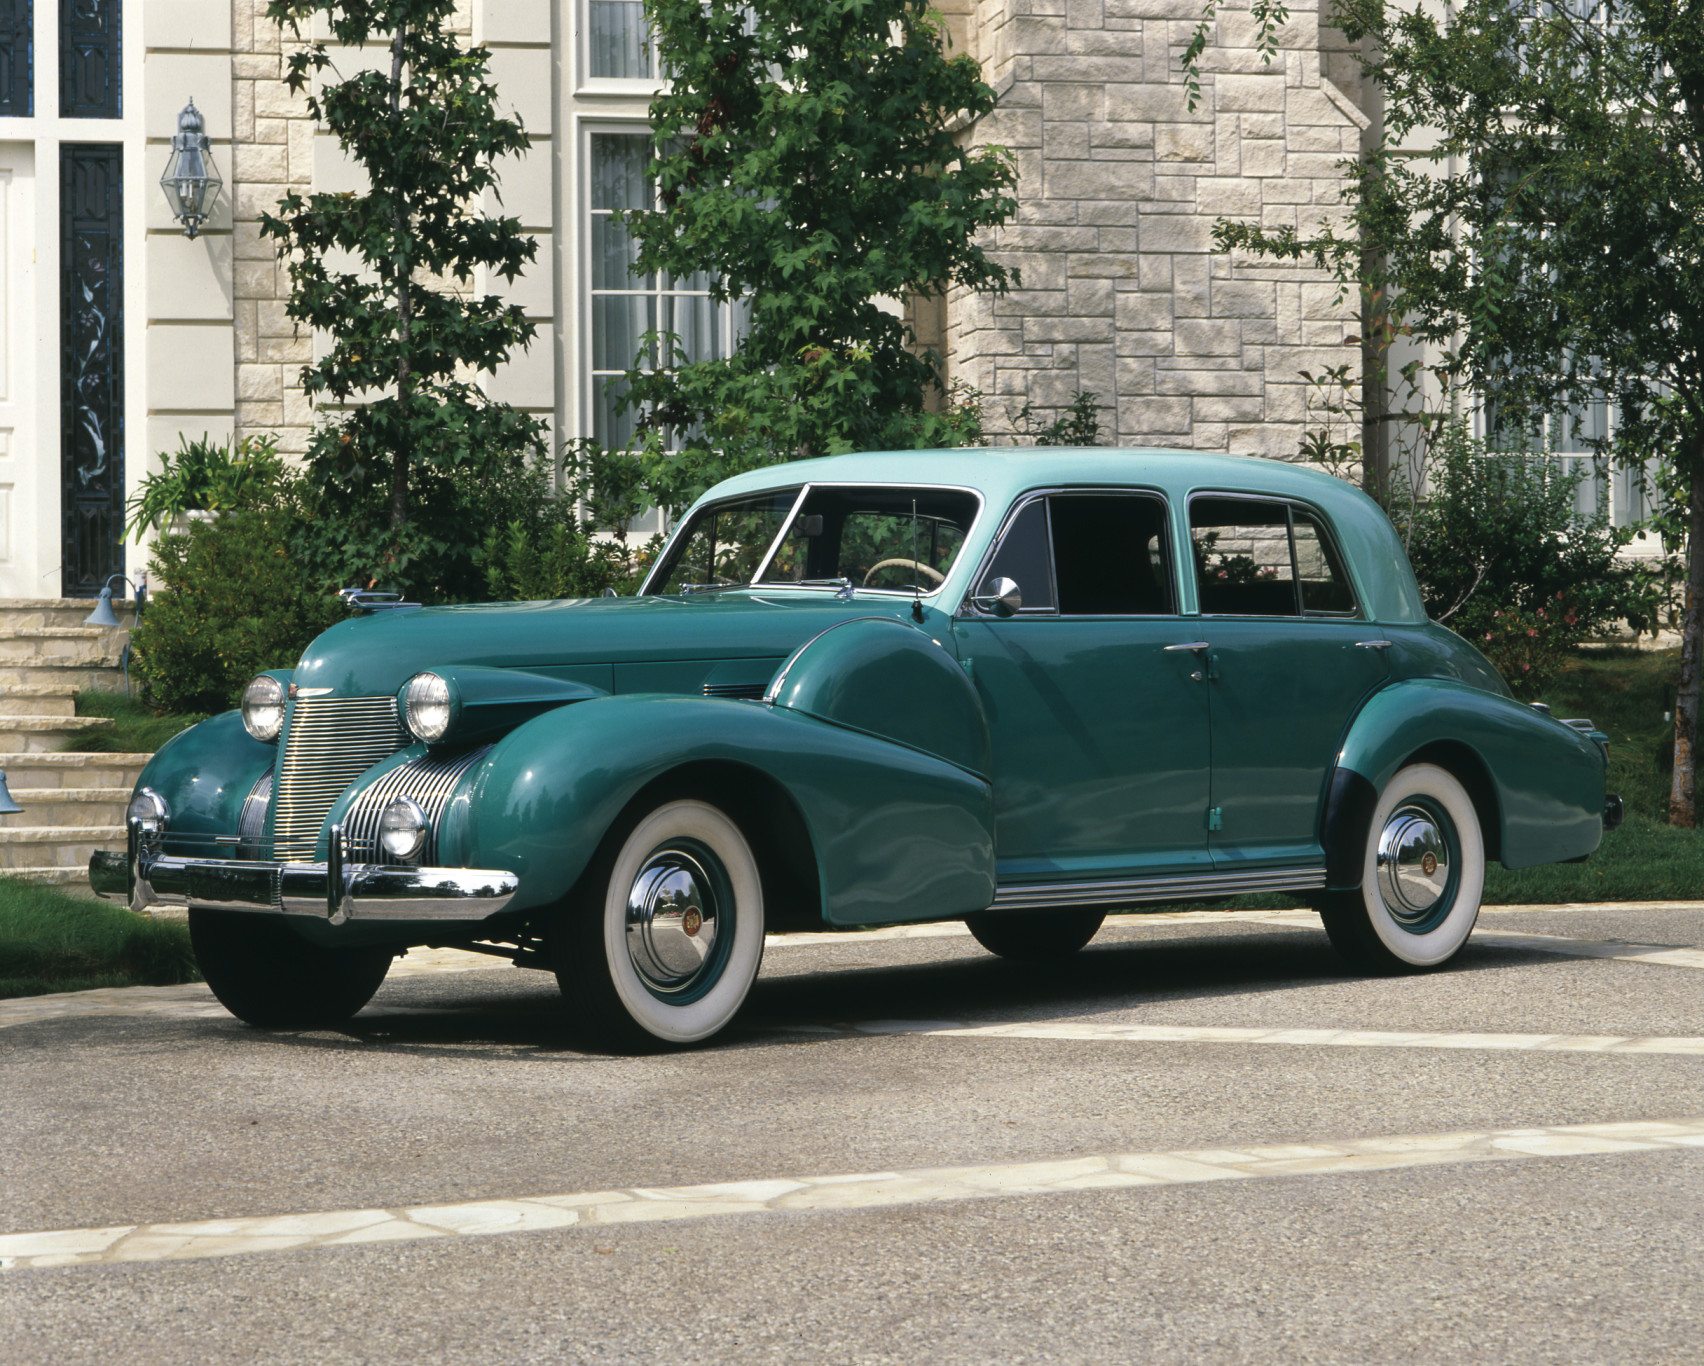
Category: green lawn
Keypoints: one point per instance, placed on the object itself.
(50, 941)
(136, 727)
(1626, 692)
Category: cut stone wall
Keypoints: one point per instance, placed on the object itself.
(1122, 292)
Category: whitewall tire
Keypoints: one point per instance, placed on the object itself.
(662, 944)
(1422, 877)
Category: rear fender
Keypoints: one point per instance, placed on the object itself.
(895, 834)
(1538, 784)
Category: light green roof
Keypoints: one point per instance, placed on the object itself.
(1001, 474)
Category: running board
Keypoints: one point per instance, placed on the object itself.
(1031, 896)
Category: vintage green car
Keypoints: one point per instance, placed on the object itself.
(1015, 687)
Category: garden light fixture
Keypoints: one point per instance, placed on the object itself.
(8, 807)
(191, 181)
(103, 615)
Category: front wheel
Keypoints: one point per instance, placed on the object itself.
(1035, 936)
(266, 974)
(662, 941)
(1422, 876)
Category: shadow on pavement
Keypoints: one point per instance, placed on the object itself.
(454, 1013)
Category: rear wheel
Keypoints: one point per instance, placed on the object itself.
(266, 974)
(662, 941)
(1035, 936)
(1422, 876)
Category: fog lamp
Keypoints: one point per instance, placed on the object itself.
(149, 811)
(402, 830)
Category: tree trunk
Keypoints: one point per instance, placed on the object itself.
(1683, 806)
(402, 271)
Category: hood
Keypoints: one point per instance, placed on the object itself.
(589, 640)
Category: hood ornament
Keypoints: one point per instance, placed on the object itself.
(365, 601)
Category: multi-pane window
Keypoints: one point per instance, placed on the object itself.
(90, 32)
(17, 58)
(618, 41)
(1574, 442)
(626, 306)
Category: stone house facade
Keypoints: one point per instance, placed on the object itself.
(1122, 293)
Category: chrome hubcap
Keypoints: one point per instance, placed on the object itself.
(674, 915)
(1414, 866)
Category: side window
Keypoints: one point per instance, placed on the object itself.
(1111, 555)
(1024, 557)
(1242, 558)
(1325, 587)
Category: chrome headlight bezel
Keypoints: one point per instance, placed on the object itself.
(263, 708)
(148, 812)
(428, 705)
(403, 830)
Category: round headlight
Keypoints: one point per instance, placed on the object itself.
(426, 708)
(263, 708)
(148, 809)
(402, 829)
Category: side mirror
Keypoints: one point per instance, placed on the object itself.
(1002, 597)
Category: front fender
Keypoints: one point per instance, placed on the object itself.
(1543, 780)
(205, 774)
(896, 834)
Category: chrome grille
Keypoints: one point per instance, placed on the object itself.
(330, 742)
(745, 690)
(430, 781)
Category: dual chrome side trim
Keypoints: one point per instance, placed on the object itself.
(1031, 896)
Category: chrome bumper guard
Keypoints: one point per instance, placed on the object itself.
(333, 891)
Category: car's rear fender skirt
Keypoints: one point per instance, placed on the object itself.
(1538, 785)
(895, 834)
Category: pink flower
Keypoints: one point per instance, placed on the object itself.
(1532, 631)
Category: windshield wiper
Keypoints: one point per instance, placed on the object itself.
(843, 585)
(721, 585)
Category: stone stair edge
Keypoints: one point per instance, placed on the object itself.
(57, 834)
(72, 759)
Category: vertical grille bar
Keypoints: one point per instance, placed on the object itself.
(429, 781)
(330, 742)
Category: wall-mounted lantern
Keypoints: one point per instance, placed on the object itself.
(191, 181)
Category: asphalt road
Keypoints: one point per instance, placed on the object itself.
(1201, 1138)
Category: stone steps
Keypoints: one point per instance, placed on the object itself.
(68, 806)
(38, 699)
(81, 647)
(54, 846)
(73, 802)
(34, 771)
(45, 734)
(27, 612)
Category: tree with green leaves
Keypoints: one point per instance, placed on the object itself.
(1533, 216)
(388, 275)
(810, 163)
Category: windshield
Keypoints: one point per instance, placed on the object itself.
(895, 539)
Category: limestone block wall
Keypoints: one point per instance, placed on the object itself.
(1122, 292)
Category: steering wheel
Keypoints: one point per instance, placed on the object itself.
(902, 563)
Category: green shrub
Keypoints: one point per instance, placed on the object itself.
(207, 476)
(238, 600)
(1506, 558)
(1078, 425)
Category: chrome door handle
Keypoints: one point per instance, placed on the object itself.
(1372, 644)
(1192, 647)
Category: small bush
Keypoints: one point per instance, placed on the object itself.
(1506, 558)
(1079, 425)
(238, 600)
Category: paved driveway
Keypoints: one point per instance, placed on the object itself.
(1200, 1137)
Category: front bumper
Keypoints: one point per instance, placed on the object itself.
(334, 892)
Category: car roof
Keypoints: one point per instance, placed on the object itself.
(1001, 474)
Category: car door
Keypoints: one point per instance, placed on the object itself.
(1100, 732)
(1291, 660)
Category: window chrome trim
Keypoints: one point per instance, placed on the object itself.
(967, 606)
(757, 581)
(1289, 504)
